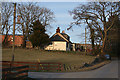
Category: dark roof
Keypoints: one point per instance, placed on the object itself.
(56, 38)
(65, 35)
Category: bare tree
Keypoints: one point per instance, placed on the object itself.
(7, 11)
(0, 19)
(95, 15)
(29, 13)
(113, 39)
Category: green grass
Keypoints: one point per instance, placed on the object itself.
(32, 55)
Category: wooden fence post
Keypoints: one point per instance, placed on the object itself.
(38, 66)
(61, 67)
(64, 67)
(48, 66)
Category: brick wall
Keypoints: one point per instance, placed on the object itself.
(18, 40)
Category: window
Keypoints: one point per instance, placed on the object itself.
(11, 38)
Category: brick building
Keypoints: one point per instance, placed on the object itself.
(18, 40)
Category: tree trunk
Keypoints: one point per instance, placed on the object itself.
(24, 41)
(5, 41)
(103, 45)
(93, 46)
(92, 40)
(24, 37)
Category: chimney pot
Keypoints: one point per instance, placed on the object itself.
(58, 30)
(63, 31)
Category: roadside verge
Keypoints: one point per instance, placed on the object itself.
(93, 67)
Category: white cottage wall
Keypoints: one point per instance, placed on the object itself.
(57, 45)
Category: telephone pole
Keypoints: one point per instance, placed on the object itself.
(13, 50)
(85, 39)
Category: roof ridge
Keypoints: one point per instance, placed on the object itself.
(62, 37)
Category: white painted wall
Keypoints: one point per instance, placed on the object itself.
(57, 45)
(73, 47)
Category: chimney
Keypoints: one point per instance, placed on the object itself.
(58, 30)
(63, 31)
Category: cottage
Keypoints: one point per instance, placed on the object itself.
(59, 41)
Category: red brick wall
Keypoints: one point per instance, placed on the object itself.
(18, 39)
(0, 39)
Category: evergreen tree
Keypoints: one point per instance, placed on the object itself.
(38, 36)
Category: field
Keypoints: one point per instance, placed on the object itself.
(32, 55)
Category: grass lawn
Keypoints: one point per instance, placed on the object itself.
(32, 55)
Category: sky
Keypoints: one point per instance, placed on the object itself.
(63, 19)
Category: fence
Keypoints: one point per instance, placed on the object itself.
(36, 66)
(15, 72)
